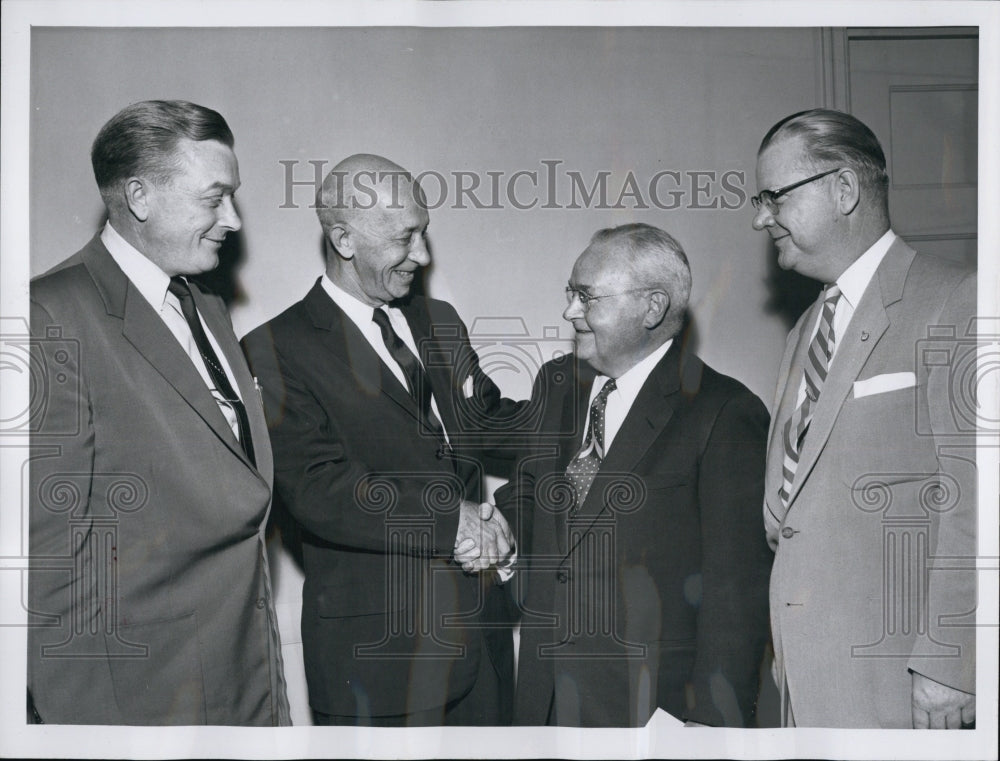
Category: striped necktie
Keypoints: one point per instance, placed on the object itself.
(583, 468)
(816, 367)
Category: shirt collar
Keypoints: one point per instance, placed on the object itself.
(149, 279)
(629, 383)
(359, 312)
(855, 279)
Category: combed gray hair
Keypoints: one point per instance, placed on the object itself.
(654, 259)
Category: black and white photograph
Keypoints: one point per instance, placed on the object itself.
(570, 379)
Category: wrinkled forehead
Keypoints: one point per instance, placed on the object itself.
(400, 203)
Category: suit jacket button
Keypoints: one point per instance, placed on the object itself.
(562, 576)
(440, 453)
(261, 603)
(788, 532)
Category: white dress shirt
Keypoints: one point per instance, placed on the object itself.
(853, 282)
(627, 387)
(360, 314)
(153, 284)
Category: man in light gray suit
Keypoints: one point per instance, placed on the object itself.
(871, 476)
(149, 591)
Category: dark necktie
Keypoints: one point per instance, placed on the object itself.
(816, 368)
(416, 376)
(179, 287)
(583, 468)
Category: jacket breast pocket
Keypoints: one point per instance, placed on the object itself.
(626, 493)
(878, 433)
(166, 686)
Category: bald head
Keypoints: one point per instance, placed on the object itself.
(363, 186)
(374, 218)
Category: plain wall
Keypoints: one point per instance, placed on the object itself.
(447, 100)
(643, 100)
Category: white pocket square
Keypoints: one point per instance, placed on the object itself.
(468, 389)
(879, 384)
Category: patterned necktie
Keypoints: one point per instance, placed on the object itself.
(817, 364)
(179, 287)
(583, 468)
(416, 376)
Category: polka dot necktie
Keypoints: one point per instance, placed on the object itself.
(583, 468)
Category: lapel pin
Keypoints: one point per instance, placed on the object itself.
(864, 335)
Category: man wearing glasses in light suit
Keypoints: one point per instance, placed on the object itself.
(871, 470)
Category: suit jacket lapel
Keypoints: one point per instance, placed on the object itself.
(862, 334)
(649, 415)
(144, 329)
(218, 323)
(352, 350)
(441, 364)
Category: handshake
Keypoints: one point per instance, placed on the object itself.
(484, 539)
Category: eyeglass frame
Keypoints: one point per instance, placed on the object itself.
(758, 200)
(574, 294)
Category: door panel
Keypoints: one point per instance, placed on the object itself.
(918, 91)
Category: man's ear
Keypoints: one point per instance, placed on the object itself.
(656, 313)
(848, 189)
(137, 197)
(339, 237)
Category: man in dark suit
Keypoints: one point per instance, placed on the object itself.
(378, 409)
(871, 469)
(149, 591)
(642, 569)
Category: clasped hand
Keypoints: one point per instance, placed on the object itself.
(938, 706)
(484, 539)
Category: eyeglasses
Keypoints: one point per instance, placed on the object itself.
(573, 294)
(767, 198)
